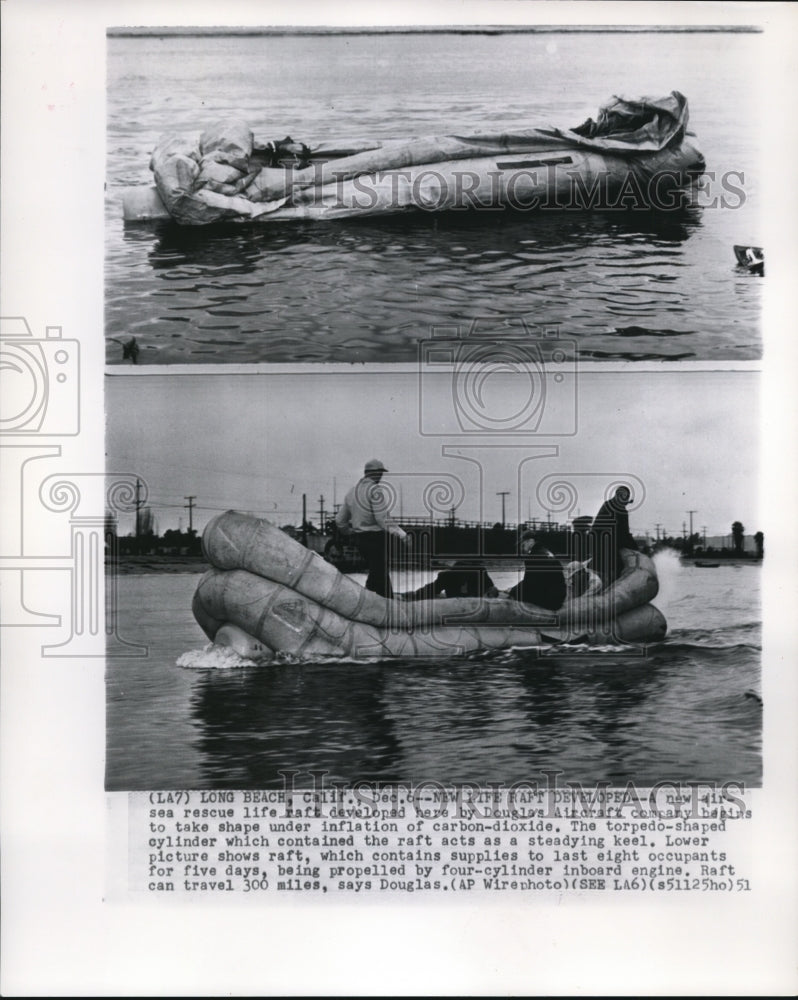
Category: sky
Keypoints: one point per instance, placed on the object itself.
(257, 442)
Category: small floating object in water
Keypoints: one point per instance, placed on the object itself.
(753, 696)
(751, 258)
(706, 565)
(130, 349)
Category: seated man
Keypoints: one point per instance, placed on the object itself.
(460, 579)
(543, 583)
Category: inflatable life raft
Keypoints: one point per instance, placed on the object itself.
(267, 593)
(637, 154)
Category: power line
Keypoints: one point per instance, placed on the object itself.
(503, 494)
(139, 502)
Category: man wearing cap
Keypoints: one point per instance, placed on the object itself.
(543, 583)
(364, 513)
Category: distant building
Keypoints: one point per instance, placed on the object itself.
(725, 542)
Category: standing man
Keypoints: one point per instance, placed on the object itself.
(610, 533)
(364, 513)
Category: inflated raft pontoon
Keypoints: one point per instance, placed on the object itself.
(637, 154)
(267, 593)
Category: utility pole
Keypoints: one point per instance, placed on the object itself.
(305, 519)
(657, 526)
(503, 494)
(138, 507)
(321, 512)
(691, 512)
(704, 531)
(190, 506)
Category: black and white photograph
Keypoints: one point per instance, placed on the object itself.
(496, 210)
(320, 195)
(318, 573)
(397, 544)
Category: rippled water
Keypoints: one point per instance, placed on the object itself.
(625, 285)
(687, 711)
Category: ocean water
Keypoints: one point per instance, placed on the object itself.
(624, 285)
(688, 710)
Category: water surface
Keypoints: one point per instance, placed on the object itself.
(687, 711)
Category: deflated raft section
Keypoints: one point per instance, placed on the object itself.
(268, 594)
(636, 152)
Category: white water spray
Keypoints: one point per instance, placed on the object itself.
(669, 569)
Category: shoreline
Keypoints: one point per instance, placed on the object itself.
(148, 565)
(276, 31)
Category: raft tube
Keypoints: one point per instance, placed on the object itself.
(266, 593)
(638, 154)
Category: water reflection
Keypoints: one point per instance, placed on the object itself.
(499, 717)
(213, 249)
(368, 290)
(246, 732)
(442, 238)
(586, 713)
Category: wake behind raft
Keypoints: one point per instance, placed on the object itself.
(637, 154)
(267, 594)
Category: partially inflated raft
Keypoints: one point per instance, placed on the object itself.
(267, 593)
(638, 154)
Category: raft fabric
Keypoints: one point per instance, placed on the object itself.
(222, 176)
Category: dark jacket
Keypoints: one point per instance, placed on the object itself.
(609, 534)
(613, 518)
(544, 581)
(460, 581)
